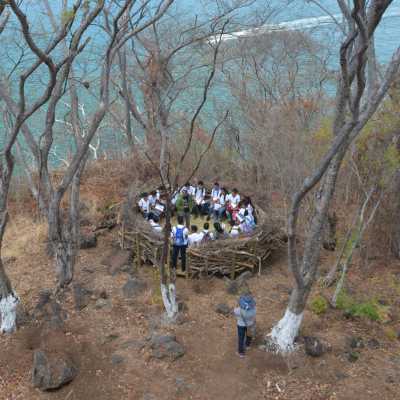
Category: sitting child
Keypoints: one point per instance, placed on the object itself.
(207, 235)
(195, 237)
(235, 229)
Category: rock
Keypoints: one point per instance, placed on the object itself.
(166, 346)
(103, 303)
(390, 379)
(223, 309)
(313, 346)
(23, 317)
(49, 310)
(159, 340)
(103, 294)
(171, 350)
(355, 342)
(133, 344)
(373, 343)
(340, 375)
(88, 270)
(353, 356)
(81, 296)
(117, 359)
(133, 287)
(88, 241)
(51, 371)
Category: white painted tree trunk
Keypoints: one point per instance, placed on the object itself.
(285, 331)
(169, 299)
(8, 313)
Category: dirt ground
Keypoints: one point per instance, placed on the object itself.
(210, 369)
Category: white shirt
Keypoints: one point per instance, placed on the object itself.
(185, 233)
(152, 200)
(144, 205)
(200, 193)
(234, 200)
(204, 232)
(155, 226)
(235, 231)
(215, 194)
(195, 238)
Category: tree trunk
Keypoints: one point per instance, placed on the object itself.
(282, 336)
(168, 289)
(8, 298)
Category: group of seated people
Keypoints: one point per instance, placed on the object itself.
(217, 204)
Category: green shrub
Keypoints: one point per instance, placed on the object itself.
(369, 309)
(319, 305)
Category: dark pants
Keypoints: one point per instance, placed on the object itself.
(175, 253)
(244, 340)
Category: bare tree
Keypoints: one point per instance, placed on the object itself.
(354, 107)
(8, 298)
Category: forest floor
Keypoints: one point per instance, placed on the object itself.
(108, 341)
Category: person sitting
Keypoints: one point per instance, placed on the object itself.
(215, 193)
(184, 206)
(235, 229)
(144, 205)
(156, 227)
(220, 205)
(247, 225)
(219, 231)
(199, 196)
(207, 235)
(233, 200)
(158, 210)
(180, 236)
(153, 198)
(195, 237)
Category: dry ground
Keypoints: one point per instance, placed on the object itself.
(210, 369)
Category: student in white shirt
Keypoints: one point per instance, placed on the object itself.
(207, 235)
(233, 201)
(195, 237)
(144, 205)
(215, 193)
(235, 229)
(220, 205)
(199, 195)
(156, 227)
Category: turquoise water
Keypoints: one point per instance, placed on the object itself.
(297, 14)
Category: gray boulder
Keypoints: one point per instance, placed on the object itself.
(52, 371)
(88, 241)
(166, 346)
(313, 346)
(81, 296)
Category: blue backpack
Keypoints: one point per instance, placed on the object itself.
(247, 302)
(179, 237)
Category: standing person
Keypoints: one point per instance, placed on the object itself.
(180, 235)
(195, 237)
(184, 206)
(144, 205)
(246, 322)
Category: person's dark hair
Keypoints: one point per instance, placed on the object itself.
(180, 219)
(206, 225)
(193, 228)
(225, 190)
(187, 184)
(201, 183)
(161, 187)
(232, 222)
(145, 194)
(153, 193)
(234, 190)
(216, 184)
(218, 227)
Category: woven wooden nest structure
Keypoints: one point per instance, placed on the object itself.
(219, 257)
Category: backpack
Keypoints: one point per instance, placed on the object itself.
(179, 237)
(247, 302)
